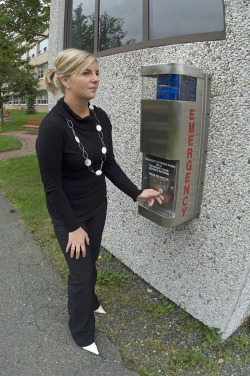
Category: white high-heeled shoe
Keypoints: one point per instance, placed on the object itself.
(100, 310)
(92, 348)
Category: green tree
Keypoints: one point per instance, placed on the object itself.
(22, 23)
(82, 30)
(30, 104)
(27, 19)
(111, 31)
(17, 79)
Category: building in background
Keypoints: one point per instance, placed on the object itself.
(202, 265)
(38, 56)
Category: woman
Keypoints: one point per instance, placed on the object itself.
(75, 153)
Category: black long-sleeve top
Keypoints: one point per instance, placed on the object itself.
(72, 190)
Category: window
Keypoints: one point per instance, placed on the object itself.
(41, 69)
(42, 97)
(120, 23)
(32, 52)
(110, 26)
(187, 17)
(10, 102)
(43, 46)
(83, 24)
(23, 100)
(16, 101)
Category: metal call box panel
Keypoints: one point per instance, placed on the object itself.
(173, 140)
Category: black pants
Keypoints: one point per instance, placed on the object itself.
(82, 300)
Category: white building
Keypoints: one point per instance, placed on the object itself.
(203, 265)
(38, 56)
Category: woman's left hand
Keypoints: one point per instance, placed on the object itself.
(149, 196)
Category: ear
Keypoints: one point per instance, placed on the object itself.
(65, 81)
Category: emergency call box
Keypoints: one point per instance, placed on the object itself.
(173, 140)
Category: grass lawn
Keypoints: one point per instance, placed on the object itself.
(29, 201)
(19, 118)
(155, 336)
(9, 143)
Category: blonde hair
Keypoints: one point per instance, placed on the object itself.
(66, 63)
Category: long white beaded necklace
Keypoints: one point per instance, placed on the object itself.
(88, 161)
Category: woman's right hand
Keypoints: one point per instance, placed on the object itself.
(77, 243)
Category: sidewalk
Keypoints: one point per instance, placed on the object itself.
(27, 138)
(34, 335)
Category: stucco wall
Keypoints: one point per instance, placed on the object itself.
(203, 265)
(56, 32)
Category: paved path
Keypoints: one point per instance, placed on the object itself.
(34, 335)
(27, 138)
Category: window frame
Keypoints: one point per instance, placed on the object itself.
(190, 38)
(41, 68)
(42, 102)
(22, 100)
